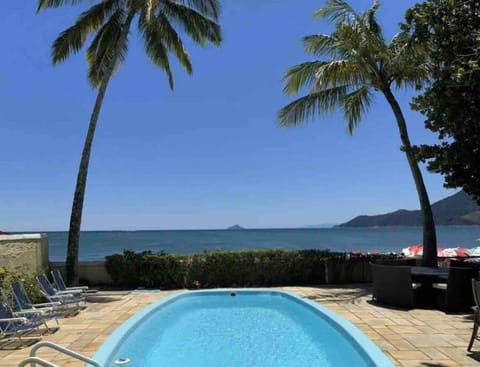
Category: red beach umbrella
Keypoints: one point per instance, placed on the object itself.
(454, 252)
(411, 251)
(417, 250)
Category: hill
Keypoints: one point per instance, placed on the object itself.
(458, 209)
(235, 227)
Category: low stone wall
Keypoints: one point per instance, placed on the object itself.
(27, 253)
(91, 272)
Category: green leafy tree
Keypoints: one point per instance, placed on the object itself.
(451, 101)
(109, 23)
(354, 64)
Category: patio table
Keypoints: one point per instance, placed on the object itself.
(425, 271)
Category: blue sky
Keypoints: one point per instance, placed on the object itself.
(207, 155)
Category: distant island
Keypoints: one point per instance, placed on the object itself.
(458, 209)
(235, 227)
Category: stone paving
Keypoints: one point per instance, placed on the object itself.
(418, 337)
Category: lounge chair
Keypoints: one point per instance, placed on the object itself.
(48, 310)
(476, 312)
(68, 299)
(34, 315)
(392, 285)
(60, 284)
(14, 327)
(456, 294)
(91, 295)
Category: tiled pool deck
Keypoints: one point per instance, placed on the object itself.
(410, 338)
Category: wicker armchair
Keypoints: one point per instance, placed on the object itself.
(398, 262)
(456, 294)
(473, 263)
(392, 285)
(476, 312)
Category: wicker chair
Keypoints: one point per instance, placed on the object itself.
(469, 263)
(456, 294)
(392, 285)
(476, 312)
(398, 262)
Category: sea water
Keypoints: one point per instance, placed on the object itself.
(95, 245)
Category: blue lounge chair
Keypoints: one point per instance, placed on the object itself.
(68, 299)
(12, 327)
(60, 284)
(32, 315)
(92, 295)
(47, 311)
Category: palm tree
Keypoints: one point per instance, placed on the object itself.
(109, 23)
(357, 63)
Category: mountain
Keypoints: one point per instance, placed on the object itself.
(235, 227)
(458, 209)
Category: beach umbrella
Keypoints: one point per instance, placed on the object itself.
(417, 250)
(411, 251)
(454, 252)
(474, 251)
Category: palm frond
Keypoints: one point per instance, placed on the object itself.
(355, 105)
(319, 44)
(209, 8)
(44, 4)
(408, 62)
(301, 76)
(72, 39)
(355, 42)
(411, 75)
(155, 47)
(199, 27)
(337, 11)
(104, 50)
(174, 43)
(371, 19)
(340, 72)
(311, 106)
(170, 37)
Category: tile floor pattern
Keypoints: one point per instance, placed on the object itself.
(425, 338)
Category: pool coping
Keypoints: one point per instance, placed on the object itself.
(367, 346)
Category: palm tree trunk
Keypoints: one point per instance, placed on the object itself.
(429, 235)
(71, 264)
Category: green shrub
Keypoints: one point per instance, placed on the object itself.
(145, 269)
(256, 268)
(28, 280)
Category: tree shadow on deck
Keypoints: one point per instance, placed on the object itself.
(341, 294)
(473, 355)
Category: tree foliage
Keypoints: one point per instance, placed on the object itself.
(354, 61)
(451, 101)
(159, 24)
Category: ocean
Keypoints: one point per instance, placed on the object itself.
(95, 245)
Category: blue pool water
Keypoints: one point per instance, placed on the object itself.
(250, 329)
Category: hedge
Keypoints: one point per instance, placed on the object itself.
(257, 268)
(29, 282)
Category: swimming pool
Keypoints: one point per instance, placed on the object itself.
(238, 328)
